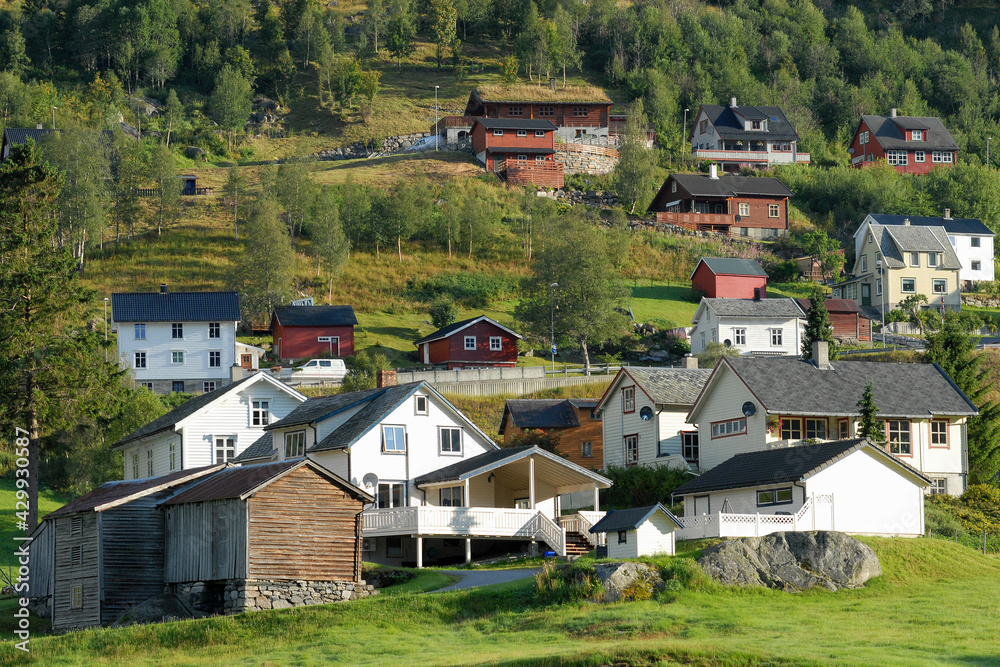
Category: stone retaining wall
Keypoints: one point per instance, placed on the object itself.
(398, 144)
(584, 163)
(233, 596)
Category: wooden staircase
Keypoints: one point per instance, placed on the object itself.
(576, 545)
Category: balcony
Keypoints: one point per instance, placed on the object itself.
(749, 157)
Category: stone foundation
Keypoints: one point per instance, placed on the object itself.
(233, 596)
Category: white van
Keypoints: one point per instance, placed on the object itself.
(328, 369)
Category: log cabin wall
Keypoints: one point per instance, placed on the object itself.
(206, 541)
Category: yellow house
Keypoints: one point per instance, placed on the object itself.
(897, 261)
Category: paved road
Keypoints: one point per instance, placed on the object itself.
(476, 578)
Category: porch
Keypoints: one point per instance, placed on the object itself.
(815, 514)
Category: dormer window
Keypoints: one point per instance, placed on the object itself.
(756, 125)
(917, 135)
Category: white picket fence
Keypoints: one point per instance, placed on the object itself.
(816, 514)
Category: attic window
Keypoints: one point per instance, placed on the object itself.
(76, 526)
(917, 135)
(673, 186)
(420, 404)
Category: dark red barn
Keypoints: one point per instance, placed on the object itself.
(476, 343)
(846, 318)
(729, 278)
(313, 331)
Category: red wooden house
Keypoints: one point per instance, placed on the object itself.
(910, 144)
(299, 332)
(846, 318)
(521, 150)
(745, 206)
(575, 110)
(729, 278)
(476, 343)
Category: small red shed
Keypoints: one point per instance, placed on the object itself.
(846, 318)
(476, 343)
(299, 332)
(727, 278)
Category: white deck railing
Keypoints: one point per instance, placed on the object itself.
(722, 524)
(465, 521)
(751, 156)
(582, 522)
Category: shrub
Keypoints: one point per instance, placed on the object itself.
(443, 311)
(784, 271)
(472, 290)
(556, 583)
(638, 486)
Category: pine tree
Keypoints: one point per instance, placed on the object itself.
(818, 325)
(869, 426)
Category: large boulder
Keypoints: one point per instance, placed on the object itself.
(628, 581)
(792, 561)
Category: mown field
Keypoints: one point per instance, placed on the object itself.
(935, 604)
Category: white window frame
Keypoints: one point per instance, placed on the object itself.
(452, 431)
(941, 157)
(878, 287)
(932, 260)
(173, 386)
(421, 406)
(777, 337)
(497, 133)
(176, 360)
(628, 399)
(539, 158)
(386, 489)
(728, 427)
(496, 344)
(260, 411)
(933, 438)
(396, 430)
(915, 259)
(977, 265)
(919, 157)
(447, 496)
(149, 462)
(916, 135)
(897, 158)
(903, 430)
(139, 331)
(913, 285)
(773, 210)
(215, 330)
(817, 429)
(177, 330)
(146, 385)
(539, 133)
(136, 359)
(295, 444)
(740, 336)
(207, 386)
(864, 263)
(226, 445)
(939, 282)
(774, 496)
(522, 156)
(469, 345)
(975, 242)
(939, 486)
(173, 455)
(744, 209)
(216, 361)
(522, 133)
(631, 449)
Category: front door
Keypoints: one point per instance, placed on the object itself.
(702, 505)
(246, 361)
(866, 294)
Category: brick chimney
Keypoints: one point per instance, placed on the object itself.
(163, 288)
(821, 354)
(385, 379)
(689, 361)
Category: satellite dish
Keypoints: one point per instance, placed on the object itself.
(646, 413)
(370, 480)
(749, 409)
(727, 343)
(737, 218)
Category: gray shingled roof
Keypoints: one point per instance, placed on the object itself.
(970, 226)
(832, 305)
(630, 519)
(896, 240)
(455, 327)
(731, 266)
(793, 386)
(781, 466)
(261, 449)
(784, 307)
(538, 413)
(671, 386)
(516, 124)
(316, 316)
(700, 185)
(730, 128)
(375, 410)
(888, 133)
(175, 307)
(322, 407)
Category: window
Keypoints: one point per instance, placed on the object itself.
(259, 413)
(939, 433)
(173, 456)
(816, 429)
(451, 497)
(539, 133)
(539, 158)
(177, 330)
(919, 157)
(774, 497)
(909, 285)
(941, 157)
(729, 427)
(177, 357)
(689, 446)
(628, 399)
(77, 601)
(776, 338)
(214, 359)
(744, 209)
(898, 435)
(295, 444)
(976, 265)
(864, 263)
(207, 386)
(496, 343)
(497, 133)
(470, 342)
(939, 486)
(420, 405)
(878, 287)
(146, 385)
(515, 111)
(932, 259)
(394, 547)
(951, 239)
(739, 336)
(225, 448)
(546, 111)
(863, 139)
(450, 439)
(149, 463)
(631, 450)
(755, 125)
(703, 340)
(917, 135)
(673, 186)
(914, 259)
(703, 126)
(844, 427)
(76, 526)
(791, 428)
(135, 465)
(898, 158)
(622, 537)
(587, 449)
(393, 439)
(522, 133)
(390, 494)
(974, 240)
(940, 285)
(214, 330)
(140, 360)
(140, 332)
(522, 157)
(580, 112)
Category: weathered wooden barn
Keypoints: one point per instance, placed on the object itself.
(846, 318)
(102, 553)
(263, 535)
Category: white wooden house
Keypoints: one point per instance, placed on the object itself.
(759, 327)
(644, 416)
(849, 486)
(209, 428)
(641, 531)
(755, 404)
(743, 136)
(443, 488)
(177, 341)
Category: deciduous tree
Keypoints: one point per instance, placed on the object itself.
(231, 103)
(634, 177)
(265, 268)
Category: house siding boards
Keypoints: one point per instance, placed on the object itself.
(450, 350)
(571, 438)
(725, 284)
(895, 133)
(68, 575)
(760, 322)
(726, 398)
(295, 342)
(498, 104)
(206, 541)
(159, 345)
(729, 139)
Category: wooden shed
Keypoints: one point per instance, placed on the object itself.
(292, 521)
(641, 531)
(846, 318)
(727, 278)
(103, 553)
(300, 332)
(478, 342)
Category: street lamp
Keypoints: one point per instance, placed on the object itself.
(105, 327)
(437, 130)
(54, 117)
(881, 284)
(684, 140)
(988, 140)
(552, 324)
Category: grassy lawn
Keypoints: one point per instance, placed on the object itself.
(48, 501)
(655, 301)
(935, 604)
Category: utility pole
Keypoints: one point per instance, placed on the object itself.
(685, 134)
(552, 324)
(437, 130)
